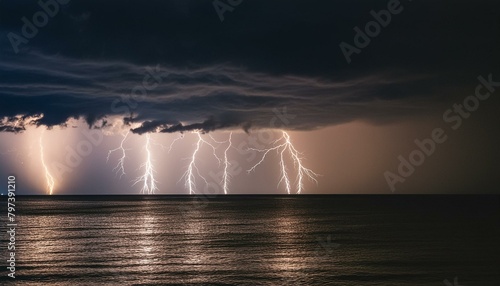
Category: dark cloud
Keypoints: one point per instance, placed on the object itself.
(172, 66)
(205, 99)
(7, 128)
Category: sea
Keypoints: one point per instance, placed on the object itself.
(345, 240)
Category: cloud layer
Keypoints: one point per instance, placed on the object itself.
(162, 99)
(173, 66)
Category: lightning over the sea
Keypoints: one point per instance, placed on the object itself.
(189, 175)
(120, 166)
(292, 178)
(148, 179)
(283, 144)
(48, 176)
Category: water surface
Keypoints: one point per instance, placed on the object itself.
(256, 240)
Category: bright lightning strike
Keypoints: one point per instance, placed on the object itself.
(297, 160)
(301, 170)
(120, 166)
(48, 176)
(226, 177)
(189, 175)
(148, 180)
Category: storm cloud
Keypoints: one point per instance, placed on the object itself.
(174, 67)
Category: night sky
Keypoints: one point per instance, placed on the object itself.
(164, 69)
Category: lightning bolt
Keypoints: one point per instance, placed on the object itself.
(148, 180)
(173, 142)
(189, 175)
(120, 166)
(285, 144)
(48, 176)
(284, 172)
(226, 177)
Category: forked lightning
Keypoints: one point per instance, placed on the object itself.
(120, 166)
(148, 179)
(285, 144)
(189, 175)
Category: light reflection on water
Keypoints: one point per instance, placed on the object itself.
(243, 241)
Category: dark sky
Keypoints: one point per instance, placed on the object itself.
(87, 61)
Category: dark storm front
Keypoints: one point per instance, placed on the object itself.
(257, 240)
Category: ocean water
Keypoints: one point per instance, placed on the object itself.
(255, 240)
